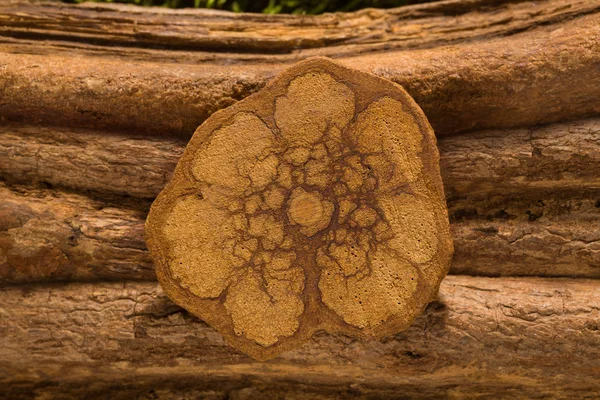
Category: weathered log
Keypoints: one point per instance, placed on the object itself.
(524, 338)
(87, 160)
(258, 36)
(560, 158)
(503, 65)
(47, 234)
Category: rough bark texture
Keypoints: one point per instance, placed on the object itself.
(557, 159)
(46, 234)
(524, 338)
(477, 64)
(119, 90)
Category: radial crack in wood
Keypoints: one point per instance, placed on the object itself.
(314, 204)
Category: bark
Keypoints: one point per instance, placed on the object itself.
(128, 86)
(560, 158)
(256, 36)
(47, 234)
(88, 160)
(525, 338)
(468, 66)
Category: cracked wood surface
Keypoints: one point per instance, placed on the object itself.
(483, 336)
(504, 65)
(47, 234)
(250, 37)
(521, 202)
(525, 162)
(454, 61)
(314, 204)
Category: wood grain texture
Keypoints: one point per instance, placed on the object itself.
(247, 37)
(522, 201)
(315, 204)
(558, 159)
(526, 337)
(50, 235)
(452, 57)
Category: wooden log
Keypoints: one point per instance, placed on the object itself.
(47, 234)
(87, 160)
(502, 65)
(251, 36)
(524, 338)
(526, 162)
(558, 158)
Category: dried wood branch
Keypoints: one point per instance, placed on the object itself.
(524, 337)
(468, 66)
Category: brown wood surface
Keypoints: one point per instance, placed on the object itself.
(538, 162)
(48, 234)
(98, 101)
(518, 337)
(469, 65)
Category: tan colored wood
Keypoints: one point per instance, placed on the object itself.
(468, 67)
(314, 204)
(49, 235)
(523, 337)
(539, 162)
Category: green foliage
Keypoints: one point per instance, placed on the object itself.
(268, 6)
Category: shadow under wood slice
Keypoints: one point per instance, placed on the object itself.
(49, 235)
(516, 75)
(529, 337)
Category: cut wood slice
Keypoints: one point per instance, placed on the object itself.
(315, 204)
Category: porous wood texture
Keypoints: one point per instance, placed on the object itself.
(98, 101)
(314, 204)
